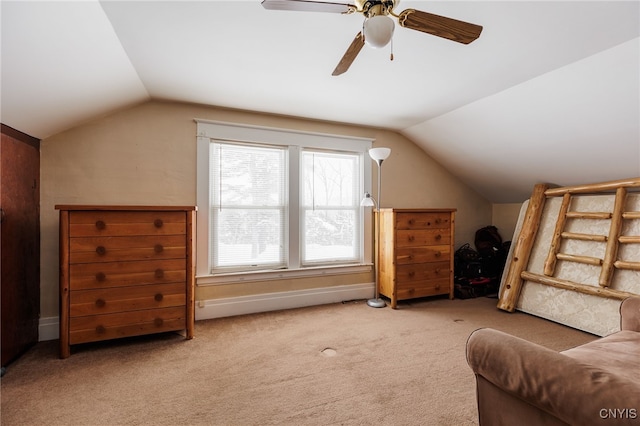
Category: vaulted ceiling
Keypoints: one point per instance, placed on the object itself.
(550, 92)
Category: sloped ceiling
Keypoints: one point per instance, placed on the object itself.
(550, 91)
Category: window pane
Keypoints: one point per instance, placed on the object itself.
(330, 219)
(248, 199)
(247, 176)
(330, 179)
(248, 237)
(330, 235)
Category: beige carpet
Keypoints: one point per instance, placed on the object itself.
(339, 364)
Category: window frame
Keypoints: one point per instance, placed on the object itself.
(295, 140)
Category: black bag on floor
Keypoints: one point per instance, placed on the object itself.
(466, 263)
(492, 251)
(488, 241)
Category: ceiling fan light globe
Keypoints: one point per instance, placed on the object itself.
(378, 30)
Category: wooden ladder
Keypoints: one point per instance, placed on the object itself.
(516, 273)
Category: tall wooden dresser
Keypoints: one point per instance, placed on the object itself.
(416, 253)
(125, 271)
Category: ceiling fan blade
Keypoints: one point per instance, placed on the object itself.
(452, 29)
(350, 55)
(308, 6)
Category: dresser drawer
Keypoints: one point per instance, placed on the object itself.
(112, 249)
(121, 223)
(413, 220)
(422, 271)
(100, 327)
(410, 290)
(120, 274)
(122, 299)
(422, 237)
(408, 255)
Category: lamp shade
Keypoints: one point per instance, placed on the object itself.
(378, 30)
(367, 201)
(379, 154)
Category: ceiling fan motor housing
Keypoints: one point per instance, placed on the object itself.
(372, 8)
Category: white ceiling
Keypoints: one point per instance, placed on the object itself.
(550, 92)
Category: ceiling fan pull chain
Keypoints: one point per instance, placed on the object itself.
(391, 55)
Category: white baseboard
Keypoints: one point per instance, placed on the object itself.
(218, 308)
(49, 328)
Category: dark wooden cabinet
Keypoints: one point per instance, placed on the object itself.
(20, 242)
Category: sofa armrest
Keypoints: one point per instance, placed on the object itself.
(569, 390)
(630, 314)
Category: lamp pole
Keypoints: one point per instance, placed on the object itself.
(378, 155)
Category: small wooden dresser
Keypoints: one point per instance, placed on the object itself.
(416, 253)
(125, 271)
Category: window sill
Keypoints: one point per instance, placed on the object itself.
(278, 274)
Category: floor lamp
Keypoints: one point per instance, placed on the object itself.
(378, 155)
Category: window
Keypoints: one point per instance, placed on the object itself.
(272, 199)
(331, 207)
(248, 206)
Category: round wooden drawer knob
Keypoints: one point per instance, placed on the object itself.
(101, 276)
(438, 237)
(411, 238)
(438, 254)
(158, 248)
(158, 297)
(101, 250)
(159, 273)
(158, 322)
(100, 224)
(100, 303)
(101, 329)
(158, 223)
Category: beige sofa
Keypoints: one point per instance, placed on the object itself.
(519, 382)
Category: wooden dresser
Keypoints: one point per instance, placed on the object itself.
(416, 253)
(125, 271)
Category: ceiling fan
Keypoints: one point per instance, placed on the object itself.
(377, 28)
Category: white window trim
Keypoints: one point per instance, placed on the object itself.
(224, 131)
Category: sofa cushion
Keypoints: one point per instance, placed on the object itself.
(618, 353)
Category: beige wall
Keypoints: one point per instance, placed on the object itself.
(147, 155)
(505, 217)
